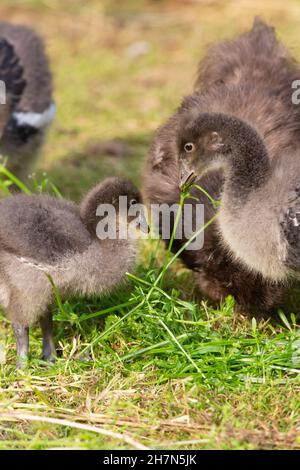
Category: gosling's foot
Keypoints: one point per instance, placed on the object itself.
(49, 355)
(22, 363)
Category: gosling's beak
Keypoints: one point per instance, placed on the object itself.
(143, 224)
(187, 176)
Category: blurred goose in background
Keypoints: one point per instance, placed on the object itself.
(29, 108)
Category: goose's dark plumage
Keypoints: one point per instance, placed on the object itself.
(12, 82)
(41, 235)
(249, 77)
(30, 108)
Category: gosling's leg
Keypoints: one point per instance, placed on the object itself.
(22, 341)
(49, 352)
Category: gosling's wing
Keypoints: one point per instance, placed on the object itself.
(233, 60)
(41, 228)
(290, 225)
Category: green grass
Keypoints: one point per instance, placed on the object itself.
(153, 362)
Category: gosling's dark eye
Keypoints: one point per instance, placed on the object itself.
(189, 147)
(132, 202)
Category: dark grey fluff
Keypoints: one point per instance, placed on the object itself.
(259, 220)
(41, 236)
(249, 77)
(31, 111)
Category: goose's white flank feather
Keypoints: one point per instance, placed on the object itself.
(36, 120)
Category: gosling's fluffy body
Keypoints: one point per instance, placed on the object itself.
(25, 290)
(249, 77)
(23, 131)
(265, 251)
(41, 235)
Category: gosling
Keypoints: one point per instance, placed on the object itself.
(42, 237)
(259, 221)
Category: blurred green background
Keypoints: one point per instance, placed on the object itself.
(121, 68)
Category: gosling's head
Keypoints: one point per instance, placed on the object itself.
(204, 143)
(116, 193)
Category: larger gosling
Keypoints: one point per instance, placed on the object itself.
(42, 236)
(259, 221)
(248, 77)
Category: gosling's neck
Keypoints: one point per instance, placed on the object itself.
(106, 227)
(247, 166)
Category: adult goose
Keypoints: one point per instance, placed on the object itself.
(29, 107)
